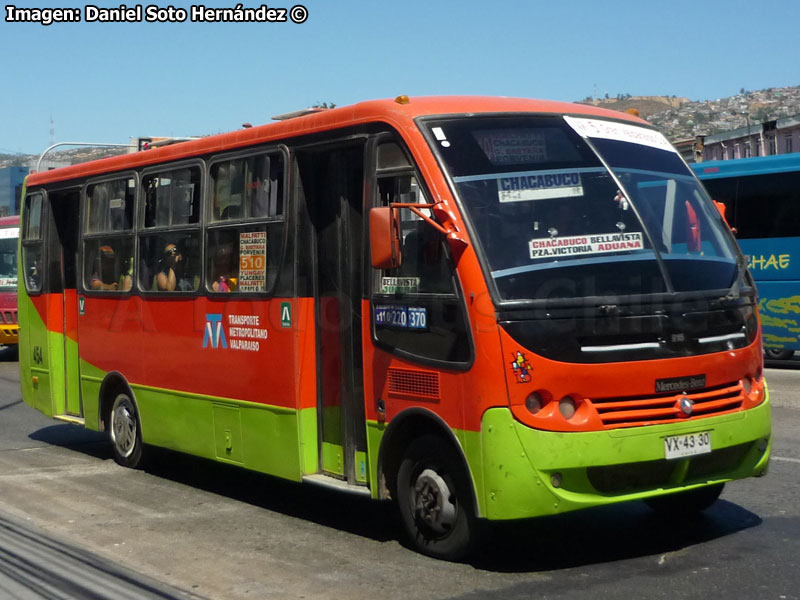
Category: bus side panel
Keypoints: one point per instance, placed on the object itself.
(773, 259)
(215, 378)
(779, 308)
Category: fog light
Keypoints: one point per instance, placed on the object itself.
(556, 480)
(567, 407)
(747, 385)
(534, 402)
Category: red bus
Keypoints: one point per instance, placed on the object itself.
(9, 240)
(479, 308)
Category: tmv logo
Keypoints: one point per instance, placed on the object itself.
(214, 332)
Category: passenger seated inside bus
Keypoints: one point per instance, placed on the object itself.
(224, 271)
(126, 278)
(166, 279)
(104, 277)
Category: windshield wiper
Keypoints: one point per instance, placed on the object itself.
(735, 290)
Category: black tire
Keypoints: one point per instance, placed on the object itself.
(126, 432)
(778, 353)
(686, 503)
(435, 500)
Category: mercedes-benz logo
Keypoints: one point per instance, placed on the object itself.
(686, 405)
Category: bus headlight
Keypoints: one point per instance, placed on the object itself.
(567, 407)
(534, 402)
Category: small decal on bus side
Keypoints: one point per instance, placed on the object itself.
(521, 368)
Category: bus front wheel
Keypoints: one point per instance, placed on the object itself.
(434, 500)
(686, 503)
(126, 432)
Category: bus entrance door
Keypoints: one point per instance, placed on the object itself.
(332, 181)
(65, 208)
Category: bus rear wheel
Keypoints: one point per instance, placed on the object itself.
(778, 353)
(434, 500)
(686, 503)
(126, 432)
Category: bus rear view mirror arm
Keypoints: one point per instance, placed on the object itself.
(385, 241)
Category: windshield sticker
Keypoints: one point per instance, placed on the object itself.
(576, 245)
(621, 132)
(402, 317)
(539, 186)
(399, 285)
(512, 146)
(252, 261)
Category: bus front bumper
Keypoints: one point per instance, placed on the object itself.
(528, 472)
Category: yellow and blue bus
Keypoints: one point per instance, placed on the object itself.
(762, 205)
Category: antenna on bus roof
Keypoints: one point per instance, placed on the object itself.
(298, 113)
(148, 143)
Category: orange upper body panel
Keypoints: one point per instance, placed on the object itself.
(400, 116)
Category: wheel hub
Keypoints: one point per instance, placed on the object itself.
(123, 429)
(433, 502)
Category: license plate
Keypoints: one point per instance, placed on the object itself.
(690, 444)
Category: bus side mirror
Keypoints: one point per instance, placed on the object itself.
(721, 208)
(384, 238)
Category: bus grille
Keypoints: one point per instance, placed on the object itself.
(9, 316)
(660, 408)
(417, 384)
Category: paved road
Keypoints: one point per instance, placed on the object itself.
(222, 533)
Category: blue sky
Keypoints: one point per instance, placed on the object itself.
(105, 82)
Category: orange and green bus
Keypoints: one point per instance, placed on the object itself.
(483, 309)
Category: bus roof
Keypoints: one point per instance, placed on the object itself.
(739, 167)
(390, 111)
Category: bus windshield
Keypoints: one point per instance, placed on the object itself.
(568, 208)
(8, 258)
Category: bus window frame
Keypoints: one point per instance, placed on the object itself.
(243, 222)
(374, 174)
(25, 242)
(141, 231)
(84, 235)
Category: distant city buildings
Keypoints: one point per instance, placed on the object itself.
(11, 180)
(781, 136)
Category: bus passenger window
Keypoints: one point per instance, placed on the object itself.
(108, 244)
(171, 262)
(108, 264)
(172, 197)
(245, 236)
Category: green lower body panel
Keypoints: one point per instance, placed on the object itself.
(270, 439)
(521, 472)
